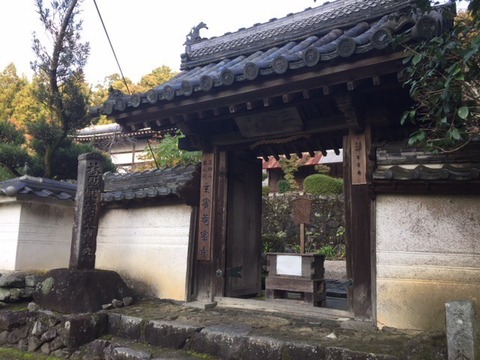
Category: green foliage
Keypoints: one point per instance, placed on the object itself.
(274, 242)
(444, 81)
(284, 186)
(13, 155)
(65, 159)
(322, 169)
(332, 252)
(265, 190)
(10, 85)
(155, 78)
(5, 174)
(167, 153)
(58, 68)
(280, 234)
(328, 251)
(319, 184)
(290, 167)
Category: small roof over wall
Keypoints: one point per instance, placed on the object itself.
(403, 168)
(39, 188)
(177, 183)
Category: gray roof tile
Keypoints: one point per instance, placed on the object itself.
(333, 31)
(39, 187)
(147, 184)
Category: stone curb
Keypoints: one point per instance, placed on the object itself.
(225, 341)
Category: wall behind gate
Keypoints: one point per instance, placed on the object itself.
(148, 247)
(9, 226)
(45, 235)
(35, 235)
(428, 253)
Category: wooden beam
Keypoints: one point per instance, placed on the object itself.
(234, 108)
(288, 98)
(347, 107)
(251, 105)
(271, 101)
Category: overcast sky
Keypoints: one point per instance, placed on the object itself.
(146, 34)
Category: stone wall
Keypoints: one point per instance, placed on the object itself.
(49, 333)
(327, 223)
(427, 255)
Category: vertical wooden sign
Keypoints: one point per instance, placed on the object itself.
(204, 240)
(359, 159)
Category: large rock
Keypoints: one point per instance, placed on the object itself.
(73, 291)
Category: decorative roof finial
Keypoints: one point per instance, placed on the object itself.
(194, 34)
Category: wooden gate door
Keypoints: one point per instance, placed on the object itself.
(243, 243)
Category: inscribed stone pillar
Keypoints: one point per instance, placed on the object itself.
(87, 209)
(461, 330)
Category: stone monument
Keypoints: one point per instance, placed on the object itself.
(82, 288)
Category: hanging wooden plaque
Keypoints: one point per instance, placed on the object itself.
(204, 240)
(358, 159)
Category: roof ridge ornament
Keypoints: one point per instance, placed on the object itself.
(193, 36)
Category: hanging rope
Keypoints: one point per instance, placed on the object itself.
(111, 46)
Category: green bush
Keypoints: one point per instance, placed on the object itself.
(319, 184)
(284, 186)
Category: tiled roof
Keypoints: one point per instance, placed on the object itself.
(99, 130)
(318, 21)
(40, 187)
(398, 162)
(313, 38)
(429, 173)
(108, 131)
(147, 184)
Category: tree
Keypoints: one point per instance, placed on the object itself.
(155, 78)
(444, 80)
(59, 69)
(167, 153)
(13, 156)
(290, 167)
(10, 85)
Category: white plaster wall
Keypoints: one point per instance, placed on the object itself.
(428, 253)
(147, 246)
(45, 235)
(9, 226)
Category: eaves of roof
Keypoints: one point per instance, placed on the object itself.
(333, 32)
(38, 187)
(161, 183)
(110, 131)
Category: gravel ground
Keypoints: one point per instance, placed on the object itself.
(335, 270)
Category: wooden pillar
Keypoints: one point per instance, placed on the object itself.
(87, 210)
(358, 223)
(210, 237)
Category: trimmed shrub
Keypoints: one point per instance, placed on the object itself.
(319, 184)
